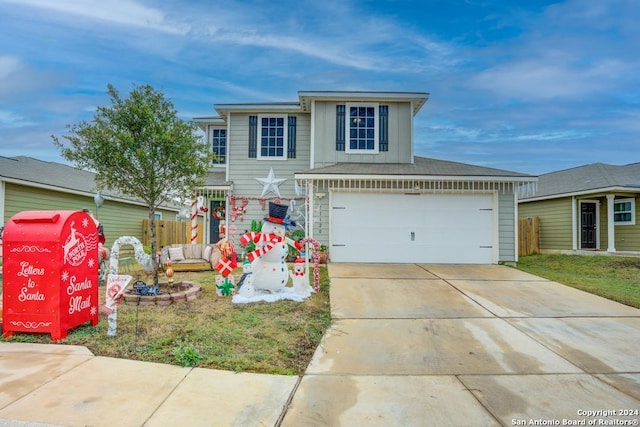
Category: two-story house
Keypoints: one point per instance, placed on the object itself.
(345, 163)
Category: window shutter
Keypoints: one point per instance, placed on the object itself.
(253, 137)
(291, 136)
(340, 131)
(383, 138)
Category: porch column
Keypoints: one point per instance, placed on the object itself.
(611, 233)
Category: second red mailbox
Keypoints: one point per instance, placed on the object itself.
(50, 272)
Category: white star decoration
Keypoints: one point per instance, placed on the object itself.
(271, 184)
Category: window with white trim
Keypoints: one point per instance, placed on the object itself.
(362, 128)
(272, 142)
(219, 145)
(624, 211)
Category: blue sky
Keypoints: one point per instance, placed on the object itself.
(529, 86)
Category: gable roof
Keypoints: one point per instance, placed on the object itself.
(592, 178)
(417, 99)
(305, 98)
(32, 172)
(422, 168)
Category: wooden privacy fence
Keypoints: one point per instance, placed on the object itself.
(529, 236)
(169, 232)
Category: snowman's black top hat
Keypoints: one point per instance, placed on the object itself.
(277, 213)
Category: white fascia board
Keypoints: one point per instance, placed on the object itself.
(582, 193)
(326, 177)
(276, 107)
(81, 193)
(204, 122)
(417, 99)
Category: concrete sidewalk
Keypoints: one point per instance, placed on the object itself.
(410, 345)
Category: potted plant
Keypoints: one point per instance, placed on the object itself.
(322, 256)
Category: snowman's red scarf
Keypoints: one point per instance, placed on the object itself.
(271, 241)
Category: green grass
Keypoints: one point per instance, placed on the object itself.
(211, 332)
(613, 277)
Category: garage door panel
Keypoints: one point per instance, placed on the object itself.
(443, 228)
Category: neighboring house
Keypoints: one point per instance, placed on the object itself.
(27, 184)
(587, 208)
(349, 158)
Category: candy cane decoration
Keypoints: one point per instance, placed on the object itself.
(316, 261)
(194, 219)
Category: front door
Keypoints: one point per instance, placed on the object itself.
(216, 231)
(588, 225)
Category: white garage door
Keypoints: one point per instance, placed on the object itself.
(427, 228)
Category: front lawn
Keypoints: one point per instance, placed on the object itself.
(211, 332)
(613, 277)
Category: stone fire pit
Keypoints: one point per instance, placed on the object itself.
(167, 294)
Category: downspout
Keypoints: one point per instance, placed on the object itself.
(312, 156)
(611, 230)
(2, 200)
(515, 222)
(574, 225)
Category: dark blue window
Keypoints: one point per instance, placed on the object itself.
(362, 128)
(272, 137)
(219, 145)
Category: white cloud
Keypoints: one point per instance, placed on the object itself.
(121, 12)
(9, 64)
(10, 119)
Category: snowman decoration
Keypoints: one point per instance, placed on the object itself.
(269, 267)
(245, 284)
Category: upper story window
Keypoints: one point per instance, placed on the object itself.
(362, 128)
(273, 134)
(219, 145)
(624, 211)
(272, 137)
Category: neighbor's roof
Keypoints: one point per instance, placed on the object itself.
(421, 168)
(32, 172)
(593, 178)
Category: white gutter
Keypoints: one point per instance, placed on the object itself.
(583, 193)
(388, 177)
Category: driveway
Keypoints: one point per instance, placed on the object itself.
(468, 345)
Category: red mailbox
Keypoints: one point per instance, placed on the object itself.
(49, 272)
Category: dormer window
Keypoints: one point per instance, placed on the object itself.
(362, 128)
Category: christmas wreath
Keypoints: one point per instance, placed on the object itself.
(218, 212)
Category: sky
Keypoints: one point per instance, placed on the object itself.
(529, 86)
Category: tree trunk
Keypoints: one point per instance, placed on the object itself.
(154, 258)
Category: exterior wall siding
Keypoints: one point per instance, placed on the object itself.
(243, 171)
(507, 249)
(117, 218)
(627, 236)
(555, 222)
(400, 145)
